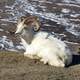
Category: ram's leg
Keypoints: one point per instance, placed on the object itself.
(31, 52)
(28, 55)
(44, 60)
(56, 62)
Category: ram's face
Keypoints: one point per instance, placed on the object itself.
(28, 22)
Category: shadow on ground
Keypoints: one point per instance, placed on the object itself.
(76, 60)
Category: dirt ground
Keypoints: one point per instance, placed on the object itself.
(14, 66)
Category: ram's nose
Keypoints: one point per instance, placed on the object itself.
(17, 32)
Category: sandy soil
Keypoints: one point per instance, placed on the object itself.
(14, 66)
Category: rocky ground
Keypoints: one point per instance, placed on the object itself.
(14, 66)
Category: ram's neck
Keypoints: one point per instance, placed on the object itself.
(28, 35)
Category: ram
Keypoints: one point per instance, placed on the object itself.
(42, 45)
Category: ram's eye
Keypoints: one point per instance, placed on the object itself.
(22, 18)
(25, 28)
(37, 19)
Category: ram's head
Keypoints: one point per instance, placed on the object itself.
(28, 22)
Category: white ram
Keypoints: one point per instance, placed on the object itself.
(42, 45)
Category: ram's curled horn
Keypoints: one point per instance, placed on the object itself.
(32, 20)
(37, 24)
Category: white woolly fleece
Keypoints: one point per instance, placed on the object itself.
(49, 50)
